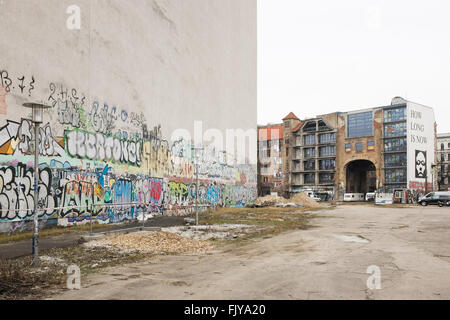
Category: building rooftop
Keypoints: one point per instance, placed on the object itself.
(291, 115)
(270, 132)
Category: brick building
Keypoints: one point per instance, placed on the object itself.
(270, 173)
(367, 150)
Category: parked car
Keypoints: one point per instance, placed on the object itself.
(444, 201)
(435, 198)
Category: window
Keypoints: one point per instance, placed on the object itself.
(310, 139)
(359, 146)
(449, 157)
(360, 124)
(348, 147)
(398, 144)
(287, 152)
(326, 177)
(327, 164)
(286, 124)
(322, 126)
(286, 141)
(442, 157)
(392, 115)
(310, 178)
(395, 130)
(395, 175)
(395, 160)
(442, 146)
(327, 151)
(309, 126)
(310, 152)
(370, 145)
(310, 165)
(327, 137)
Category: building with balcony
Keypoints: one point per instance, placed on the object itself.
(373, 149)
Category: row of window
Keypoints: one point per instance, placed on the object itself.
(395, 175)
(310, 139)
(359, 146)
(395, 160)
(310, 178)
(442, 146)
(326, 164)
(395, 129)
(443, 157)
(397, 144)
(325, 151)
(392, 115)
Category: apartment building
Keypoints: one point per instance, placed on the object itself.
(443, 161)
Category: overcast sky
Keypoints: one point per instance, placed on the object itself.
(316, 57)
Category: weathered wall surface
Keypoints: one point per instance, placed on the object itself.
(134, 72)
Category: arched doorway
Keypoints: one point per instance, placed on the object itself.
(361, 176)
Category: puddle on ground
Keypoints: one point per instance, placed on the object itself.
(357, 239)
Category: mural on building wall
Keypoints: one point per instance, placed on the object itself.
(103, 161)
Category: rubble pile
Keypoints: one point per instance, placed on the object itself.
(305, 200)
(156, 242)
(268, 201)
(299, 200)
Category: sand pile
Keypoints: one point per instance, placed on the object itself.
(270, 200)
(303, 199)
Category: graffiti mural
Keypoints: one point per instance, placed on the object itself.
(102, 161)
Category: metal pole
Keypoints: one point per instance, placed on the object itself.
(196, 192)
(36, 194)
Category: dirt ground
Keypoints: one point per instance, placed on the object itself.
(411, 246)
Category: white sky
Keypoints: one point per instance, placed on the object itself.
(316, 57)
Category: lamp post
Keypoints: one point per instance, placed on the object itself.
(196, 156)
(37, 115)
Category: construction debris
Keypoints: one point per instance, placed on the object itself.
(299, 200)
(209, 232)
(269, 201)
(154, 242)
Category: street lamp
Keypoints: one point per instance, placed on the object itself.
(195, 151)
(37, 116)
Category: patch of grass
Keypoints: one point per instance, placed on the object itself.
(267, 220)
(19, 280)
(50, 232)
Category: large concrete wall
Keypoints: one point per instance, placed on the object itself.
(119, 86)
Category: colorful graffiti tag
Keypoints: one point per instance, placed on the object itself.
(103, 162)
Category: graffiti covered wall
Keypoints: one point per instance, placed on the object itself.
(105, 149)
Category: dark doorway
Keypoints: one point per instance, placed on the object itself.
(361, 177)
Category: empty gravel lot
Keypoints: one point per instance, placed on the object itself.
(411, 246)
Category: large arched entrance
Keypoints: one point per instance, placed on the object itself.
(361, 176)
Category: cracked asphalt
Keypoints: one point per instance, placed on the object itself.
(411, 246)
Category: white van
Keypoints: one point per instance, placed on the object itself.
(353, 197)
(384, 198)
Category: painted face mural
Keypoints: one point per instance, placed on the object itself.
(421, 164)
